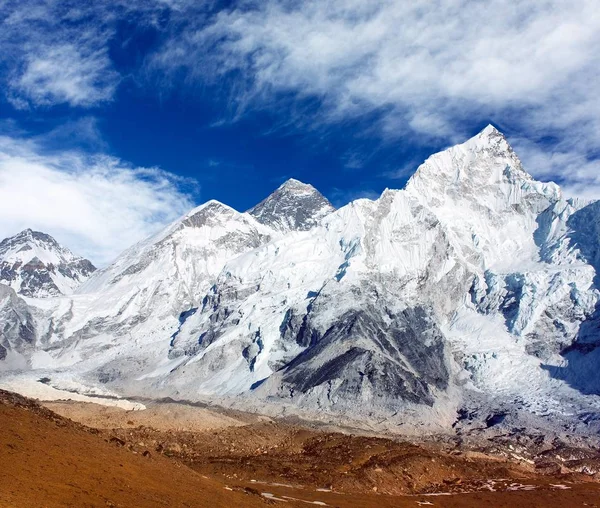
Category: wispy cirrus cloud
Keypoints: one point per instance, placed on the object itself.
(64, 73)
(96, 204)
(386, 54)
(419, 70)
(58, 51)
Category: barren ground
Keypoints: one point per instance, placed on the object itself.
(177, 455)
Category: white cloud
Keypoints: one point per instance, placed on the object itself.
(83, 133)
(57, 51)
(65, 74)
(370, 54)
(426, 69)
(95, 205)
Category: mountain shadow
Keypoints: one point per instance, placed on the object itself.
(582, 370)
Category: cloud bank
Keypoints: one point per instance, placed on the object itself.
(95, 205)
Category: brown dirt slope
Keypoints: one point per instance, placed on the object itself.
(47, 461)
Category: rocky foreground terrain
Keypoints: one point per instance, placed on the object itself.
(191, 455)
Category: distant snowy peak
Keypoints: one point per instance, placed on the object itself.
(294, 206)
(35, 265)
(208, 214)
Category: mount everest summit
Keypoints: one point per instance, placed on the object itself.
(293, 206)
(473, 289)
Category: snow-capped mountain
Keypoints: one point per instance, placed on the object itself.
(474, 289)
(35, 265)
(294, 206)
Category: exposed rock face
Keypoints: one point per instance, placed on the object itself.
(473, 291)
(392, 357)
(18, 330)
(295, 206)
(35, 265)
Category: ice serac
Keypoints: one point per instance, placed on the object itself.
(35, 265)
(472, 291)
(294, 206)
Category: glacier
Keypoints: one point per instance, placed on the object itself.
(472, 291)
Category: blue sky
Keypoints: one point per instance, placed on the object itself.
(116, 117)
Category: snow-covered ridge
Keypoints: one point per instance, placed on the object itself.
(35, 265)
(474, 280)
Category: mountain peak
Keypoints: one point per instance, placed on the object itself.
(29, 235)
(291, 184)
(34, 264)
(210, 213)
(490, 130)
(489, 138)
(30, 238)
(484, 171)
(485, 159)
(294, 206)
(211, 206)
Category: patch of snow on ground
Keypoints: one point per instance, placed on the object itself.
(36, 390)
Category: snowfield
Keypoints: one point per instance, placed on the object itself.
(472, 293)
